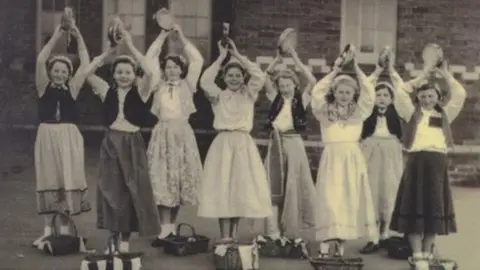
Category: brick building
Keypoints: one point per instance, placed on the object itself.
(324, 27)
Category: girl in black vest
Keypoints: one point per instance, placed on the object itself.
(381, 145)
(424, 207)
(124, 198)
(288, 170)
(59, 152)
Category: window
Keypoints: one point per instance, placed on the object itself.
(370, 25)
(132, 14)
(49, 16)
(194, 17)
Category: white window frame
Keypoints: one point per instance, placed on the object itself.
(366, 57)
(38, 28)
(106, 22)
(209, 37)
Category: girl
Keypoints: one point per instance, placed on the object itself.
(424, 206)
(288, 170)
(234, 183)
(174, 161)
(59, 152)
(344, 201)
(381, 145)
(124, 198)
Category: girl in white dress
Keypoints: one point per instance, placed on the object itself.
(344, 201)
(234, 182)
(174, 161)
(59, 150)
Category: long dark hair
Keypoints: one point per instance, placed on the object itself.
(394, 122)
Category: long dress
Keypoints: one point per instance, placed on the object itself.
(234, 182)
(344, 200)
(174, 162)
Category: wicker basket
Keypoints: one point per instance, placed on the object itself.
(437, 264)
(337, 263)
(231, 260)
(290, 249)
(186, 245)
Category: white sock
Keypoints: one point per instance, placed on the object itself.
(165, 231)
(384, 236)
(64, 230)
(123, 246)
(47, 231)
(417, 255)
(173, 228)
(324, 248)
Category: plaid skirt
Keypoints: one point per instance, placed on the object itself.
(124, 197)
(424, 199)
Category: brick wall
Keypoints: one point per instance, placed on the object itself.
(257, 26)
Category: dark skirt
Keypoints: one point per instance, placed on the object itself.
(124, 197)
(424, 199)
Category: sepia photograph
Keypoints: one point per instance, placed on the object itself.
(239, 134)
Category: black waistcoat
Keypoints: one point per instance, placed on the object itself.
(394, 123)
(299, 114)
(56, 99)
(135, 110)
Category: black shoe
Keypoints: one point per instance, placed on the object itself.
(157, 242)
(370, 248)
(383, 244)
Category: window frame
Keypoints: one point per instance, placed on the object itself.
(39, 26)
(105, 23)
(209, 18)
(367, 57)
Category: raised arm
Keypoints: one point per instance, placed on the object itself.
(195, 60)
(257, 78)
(307, 74)
(79, 79)
(366, 100)
(320, 89)
(457, 93)
(402, 100)
(207, 82)
(41, 72)
(146, 85)
(152, 55)
(270, 89)
(99, 86)
(373, 78)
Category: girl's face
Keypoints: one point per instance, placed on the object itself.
(428, 98)
(124, 75)
(343, 94)
(286, 86)
(59, 73)
(172, 71)
(234, 78)
(383, 98)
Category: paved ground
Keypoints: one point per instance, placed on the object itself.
(20, 224)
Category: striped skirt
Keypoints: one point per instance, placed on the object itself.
(291, 183)
(384, 159)
(60, 169)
